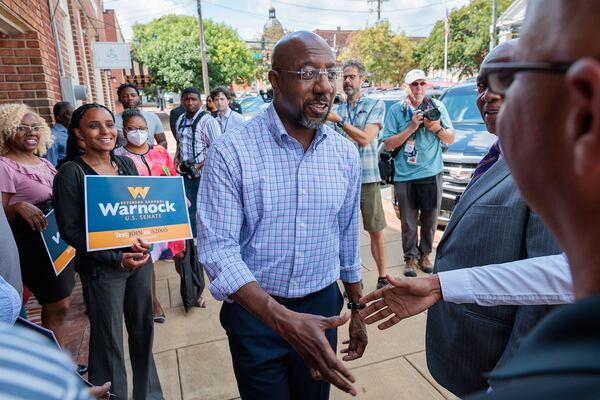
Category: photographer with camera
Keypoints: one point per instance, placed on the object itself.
(196, 130)
(418, 126)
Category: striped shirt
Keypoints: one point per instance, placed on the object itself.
(270, 212)
(207, 131)
(365, 111)
(33, 368)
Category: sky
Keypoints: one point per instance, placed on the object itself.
(414, 17)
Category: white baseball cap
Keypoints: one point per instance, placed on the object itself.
(414, 75)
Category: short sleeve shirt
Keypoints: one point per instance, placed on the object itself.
(428, 145)
(366, 111)
(29, 183)
(154, 126)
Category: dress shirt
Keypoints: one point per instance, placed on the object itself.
(533, 281)
(270, 212)
(207, 130)
(58, 150)
(10, 302)
(365, 111)
(230, 121)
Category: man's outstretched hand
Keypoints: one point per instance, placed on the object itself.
(402, 298)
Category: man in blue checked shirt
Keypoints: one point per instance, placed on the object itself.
(360, 119)
(278, 226)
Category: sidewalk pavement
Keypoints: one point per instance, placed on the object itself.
(192, 353)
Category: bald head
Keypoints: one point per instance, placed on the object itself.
(560, 30)
(287, 48)
(501, 53)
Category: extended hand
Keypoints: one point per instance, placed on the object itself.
(358, 339)
(402, 298)
(306, 334)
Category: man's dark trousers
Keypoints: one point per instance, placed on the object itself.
(191, 192)
(265, 365)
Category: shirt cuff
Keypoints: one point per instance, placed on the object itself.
(230, 281)
(351, 274)
(456, 286)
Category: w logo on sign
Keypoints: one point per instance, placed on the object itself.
(138, 191)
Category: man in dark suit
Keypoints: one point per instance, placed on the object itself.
(491, 223)
(556, 165)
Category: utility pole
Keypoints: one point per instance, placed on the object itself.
(378, 7)
(493, 26)
(202, 49)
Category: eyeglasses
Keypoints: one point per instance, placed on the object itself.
(415, 84)
(28, 129)
(501, 75)
(311, 74)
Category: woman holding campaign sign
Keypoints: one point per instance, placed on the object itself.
(118, 280)
(26, 186)
(149, 160)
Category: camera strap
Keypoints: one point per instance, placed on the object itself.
(194, 125)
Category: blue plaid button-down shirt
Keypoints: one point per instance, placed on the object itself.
(365, 111)
(272, 213)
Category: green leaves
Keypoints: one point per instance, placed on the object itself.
(170, 48)
(386, 55)
(468, 42)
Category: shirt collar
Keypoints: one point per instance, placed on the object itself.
(59, 127)
(279, 132)
(227, 114)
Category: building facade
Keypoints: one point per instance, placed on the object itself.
(46, 53)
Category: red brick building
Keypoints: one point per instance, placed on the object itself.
(43, 58)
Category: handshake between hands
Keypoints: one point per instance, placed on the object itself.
(400, 299)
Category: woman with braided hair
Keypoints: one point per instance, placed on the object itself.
(118, 281)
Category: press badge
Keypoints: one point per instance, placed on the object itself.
(409, 147)
(411, 153)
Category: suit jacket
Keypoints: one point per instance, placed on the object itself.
(490, 224)
(560, 359)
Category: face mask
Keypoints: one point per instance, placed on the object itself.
(137, 137)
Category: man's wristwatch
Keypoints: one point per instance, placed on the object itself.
(355, 306)
(439, 130)
(341, 123)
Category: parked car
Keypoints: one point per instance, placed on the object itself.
(252, 106)
(472, 141)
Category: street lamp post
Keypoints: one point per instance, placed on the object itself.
(202, 48)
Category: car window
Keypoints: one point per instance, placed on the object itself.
(462, 107)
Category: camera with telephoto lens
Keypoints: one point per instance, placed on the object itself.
(432, 114)
(188, 168)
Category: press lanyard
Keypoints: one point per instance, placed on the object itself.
(224, 127)
(352, 116)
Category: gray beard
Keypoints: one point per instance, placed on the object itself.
(350, 92)
(311, 123)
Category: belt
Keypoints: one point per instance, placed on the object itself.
(287, 300)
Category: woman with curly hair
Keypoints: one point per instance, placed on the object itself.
(118, 281)
(26, 186)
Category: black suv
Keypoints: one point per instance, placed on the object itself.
(471, 143)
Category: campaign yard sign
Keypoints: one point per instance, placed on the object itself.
(121, 209)
(59, 251)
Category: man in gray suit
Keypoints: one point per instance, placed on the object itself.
(491, 223)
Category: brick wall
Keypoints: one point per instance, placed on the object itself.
(29, 70)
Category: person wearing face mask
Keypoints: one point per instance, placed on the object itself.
(150, 160)
(119, 281)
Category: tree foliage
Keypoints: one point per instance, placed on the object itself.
(468, 41)
(169, 47)
(386, 55)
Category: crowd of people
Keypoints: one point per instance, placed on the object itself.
(274, 206)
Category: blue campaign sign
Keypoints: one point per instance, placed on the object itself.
(121, 209)
(59, 251)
